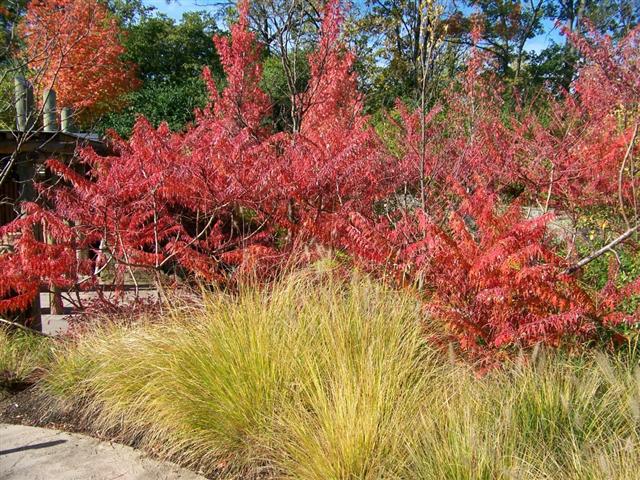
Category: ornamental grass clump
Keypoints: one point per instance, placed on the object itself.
(320, 377)
(548, 417)
(23, 356)
(315, 377)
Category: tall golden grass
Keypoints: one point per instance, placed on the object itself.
(22, 356)
(322, 378)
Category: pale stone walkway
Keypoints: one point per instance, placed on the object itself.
(28, 453)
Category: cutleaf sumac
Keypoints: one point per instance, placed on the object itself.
(229, 195)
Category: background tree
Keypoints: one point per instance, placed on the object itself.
(10, 14)
(130, 12)
(280, 86)
(71, 46)
(270, 18)
(393, 31)
(287, 29)
(505, 27)
(613, 17)
(556, 64)
(74, 47)
(172, 87)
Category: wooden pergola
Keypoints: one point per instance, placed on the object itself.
(28, 151)
(24, 151)
(46, 144)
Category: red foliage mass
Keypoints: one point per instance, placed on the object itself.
(492, 277)
(336, 164)
(229, 195)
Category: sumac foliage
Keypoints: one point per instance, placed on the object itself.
(335, 164)
(217, 198)
(492, 276)
(498, 279)
(440, 206)
(579, 153)
(32, 263)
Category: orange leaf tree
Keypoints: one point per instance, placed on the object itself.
(73, 46)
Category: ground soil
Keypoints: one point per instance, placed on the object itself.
(23, 405)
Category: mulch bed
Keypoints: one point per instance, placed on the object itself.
(22, 405)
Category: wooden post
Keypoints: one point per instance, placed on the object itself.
(66, 125)
(66, 119)
(50, 124)
(20, 97)
(49, 119)
(26, 170)
(55, 296)
(82, 253)
(24, 103)
(31, 108)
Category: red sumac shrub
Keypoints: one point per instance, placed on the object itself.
(491, 276)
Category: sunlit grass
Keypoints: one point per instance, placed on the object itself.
(22, 356)
(549, 418)
(321, 378)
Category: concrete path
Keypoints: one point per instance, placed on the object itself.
(28, 453)
(57, 324)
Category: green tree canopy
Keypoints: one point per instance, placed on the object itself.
(170, 57)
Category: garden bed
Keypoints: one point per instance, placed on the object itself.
(277, 383)
(27, 407)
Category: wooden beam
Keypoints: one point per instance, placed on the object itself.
(49, 142)
(49, 113)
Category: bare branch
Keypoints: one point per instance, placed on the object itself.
(603, 250)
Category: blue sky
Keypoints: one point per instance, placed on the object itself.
(175, 9)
